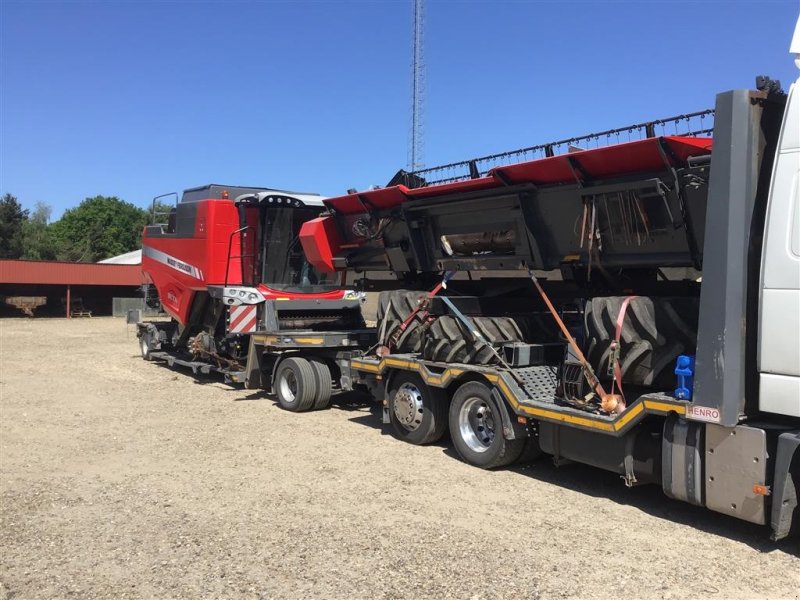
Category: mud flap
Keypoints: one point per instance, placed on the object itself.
(511, 429)
(253, 373)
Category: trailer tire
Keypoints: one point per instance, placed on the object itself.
(655, 332)
(322, 376)
(394, 307)
(531, 451)
(295, 384)
(418, 412)
(476, 428)
(146, 345)
(448, 340)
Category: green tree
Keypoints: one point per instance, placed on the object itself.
(37, 242)
(12, 219)
(98, 228)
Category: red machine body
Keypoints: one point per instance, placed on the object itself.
(201, 247)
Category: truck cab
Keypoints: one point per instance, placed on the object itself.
(779, 314)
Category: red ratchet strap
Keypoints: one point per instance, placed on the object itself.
(423, 303)
(615, 346)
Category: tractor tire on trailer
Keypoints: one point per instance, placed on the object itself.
(418, 413)
(394, 308)
(295, 384)
(476, 428)
(448, 340)
(655, 331)
(322, 375)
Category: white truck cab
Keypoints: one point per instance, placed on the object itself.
(779, 327)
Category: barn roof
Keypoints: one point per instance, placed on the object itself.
(63, 273)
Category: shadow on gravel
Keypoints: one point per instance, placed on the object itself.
(651, 500)
(369, 411)
(580, 478)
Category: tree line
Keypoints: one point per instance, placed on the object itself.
(96, 229)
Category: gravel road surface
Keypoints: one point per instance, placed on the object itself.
(124, 479)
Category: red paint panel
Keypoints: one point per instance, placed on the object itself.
(321, 242)
(65, 273)
(271, 294)
(472, 185)
(609, 161)
(382, 198)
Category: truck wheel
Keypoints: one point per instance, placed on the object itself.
(146, 345)
(322, 377)
(295, 384)
(418, 413)
(476, 429)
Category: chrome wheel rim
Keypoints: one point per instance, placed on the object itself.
(288, 385)
(143, 345)
(476, 424)
(408, 407)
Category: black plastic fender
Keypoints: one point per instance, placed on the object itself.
(511, 429)
(785, 519)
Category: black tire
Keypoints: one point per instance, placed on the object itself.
(394, 308)
(655, 332)
(322, 377)
(418, 413)
(448, 340)
(476, 428)
(146, 345)
(531, 451)
(295, 384)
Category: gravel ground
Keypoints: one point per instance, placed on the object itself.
(123, 479)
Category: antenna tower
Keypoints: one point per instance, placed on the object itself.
(416, 144)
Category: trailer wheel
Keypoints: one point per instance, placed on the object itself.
(418, 412)
(476, 429)
(295, 384)
(146, 345)
(322, 376)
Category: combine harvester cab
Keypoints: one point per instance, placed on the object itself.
(230, 272)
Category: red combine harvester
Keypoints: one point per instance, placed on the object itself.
(224, 269)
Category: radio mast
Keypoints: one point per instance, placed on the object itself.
(416, 145)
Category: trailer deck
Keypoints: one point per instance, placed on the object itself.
(525, 404)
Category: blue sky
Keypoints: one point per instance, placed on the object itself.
(136, 99)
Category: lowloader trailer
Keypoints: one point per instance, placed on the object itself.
(634, 307)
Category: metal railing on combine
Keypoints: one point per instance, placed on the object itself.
(696, 124)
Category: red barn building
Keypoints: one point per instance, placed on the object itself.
(70, 288)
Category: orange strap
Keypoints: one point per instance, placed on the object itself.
(615, 347)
